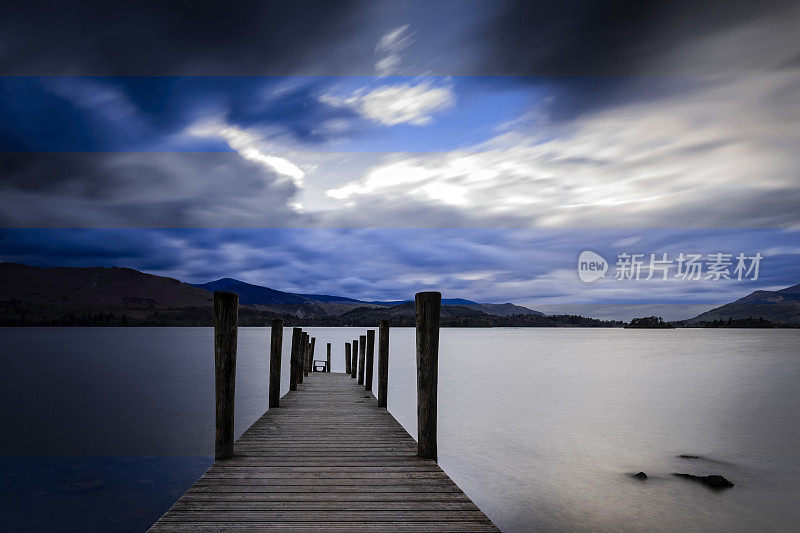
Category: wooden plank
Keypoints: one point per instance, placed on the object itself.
(281, 474)
(325, 486)
(342, 515)
(329, 496)
(327, 460)
(350, 527)
(374, 480)
(315, 505)
(402, 464)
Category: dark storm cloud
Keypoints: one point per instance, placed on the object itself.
(269, 37)
(167, 189)
(147, 249)
(584, 53)
(609, 38)
(588, 54)
(180, 37)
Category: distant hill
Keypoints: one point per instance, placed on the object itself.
(782, 306)
(506, 309)
(96, 287)
(458, 301)
(96, 295)
(306, 306)
(316, 305)
(100, 296)
(329, 298)
(250, 294)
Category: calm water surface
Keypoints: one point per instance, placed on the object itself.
(105, 427)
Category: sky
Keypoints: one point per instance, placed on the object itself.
(374, 149)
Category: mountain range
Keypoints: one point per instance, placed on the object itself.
(124, 296)
(316, 305)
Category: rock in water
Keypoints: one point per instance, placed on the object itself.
(714, 481)
(639, 475)
(717, 481)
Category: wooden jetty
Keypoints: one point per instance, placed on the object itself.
(328, 458)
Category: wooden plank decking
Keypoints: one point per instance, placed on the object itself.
(328, 459)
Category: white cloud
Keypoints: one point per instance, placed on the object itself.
(250, 147)
(443, 192)
(397, 104)
(389, 48)
(396, 39)
(715, 150)
(646, 164)
(628, 241)
(386, 65)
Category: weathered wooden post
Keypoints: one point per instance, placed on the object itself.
(428, 308)
(306, 346)
(306, 353)
(305, 356)
(369, 360)
(301, 357)
(328, 366)
(354, 364)
(347, 358)
(297, 336)
(383, 362)
(275, 349)
(307, 360)
(362, 345)
(311, 355)
(226, 317)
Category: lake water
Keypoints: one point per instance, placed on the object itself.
(103, 428)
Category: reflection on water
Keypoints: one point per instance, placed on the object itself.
(541, 427)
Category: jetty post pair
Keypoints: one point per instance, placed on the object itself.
(359, 360)
(301, 343)
(301, 356)
(366, 359)
(428, 309)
